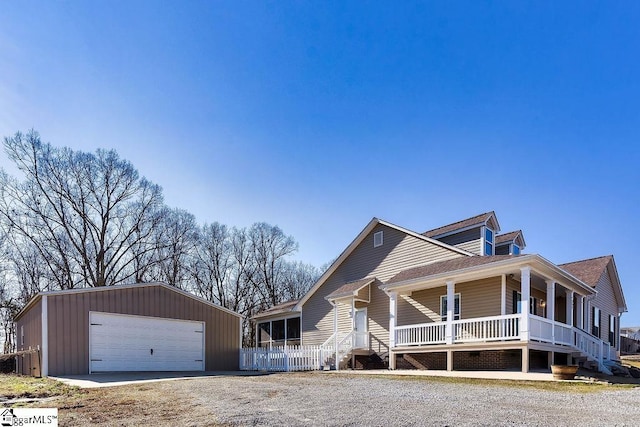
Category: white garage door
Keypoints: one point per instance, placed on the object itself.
(120, 342)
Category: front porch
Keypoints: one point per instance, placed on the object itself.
(535, 313)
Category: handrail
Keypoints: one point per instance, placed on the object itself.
(420, 325)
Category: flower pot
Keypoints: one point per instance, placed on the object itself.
(564, 372)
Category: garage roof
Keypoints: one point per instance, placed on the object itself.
(36, 298)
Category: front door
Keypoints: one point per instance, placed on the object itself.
(361, 335)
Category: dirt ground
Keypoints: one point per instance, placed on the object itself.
(326, 399)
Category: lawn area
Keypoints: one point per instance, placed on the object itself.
(19, 386)
(553, 386)
(634, 363)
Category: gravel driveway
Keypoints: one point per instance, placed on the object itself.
(336, 399)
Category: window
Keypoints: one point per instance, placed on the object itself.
(595, 315)
(22, 335)
(488, 241)
(456, 307)
(264, 334)
(612, 330)
(515, 250)
(377, 239)
(279, 332)
(293, 331)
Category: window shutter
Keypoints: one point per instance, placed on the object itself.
(514, 305)
(599, 324)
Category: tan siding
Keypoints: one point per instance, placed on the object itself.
(399, 251)
(606, 301)
(473, 246)
(420, 307)
(479, 298)
(69, 330)
(514, 285)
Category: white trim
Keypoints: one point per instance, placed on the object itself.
(44, 350)
(359, 239)
(503, 294)
(497, 267)
(117, 287)
(393, 315)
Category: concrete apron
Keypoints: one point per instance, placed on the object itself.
(126, 378)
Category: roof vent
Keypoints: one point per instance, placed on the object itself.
(377, 239)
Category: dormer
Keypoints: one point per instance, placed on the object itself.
(511, 243)
(476, 234)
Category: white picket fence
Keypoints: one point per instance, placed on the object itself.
(283, 359)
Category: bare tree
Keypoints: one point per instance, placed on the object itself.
(82, 211)
(269, 246)
(297, 279)
(177, 237)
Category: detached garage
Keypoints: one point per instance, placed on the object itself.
(142, 327)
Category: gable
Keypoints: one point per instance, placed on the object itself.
(417, 248)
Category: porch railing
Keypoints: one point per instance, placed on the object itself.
(421, 334)
(546, 330)
(493, 328)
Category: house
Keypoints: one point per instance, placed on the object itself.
(458, 297)
(140, 327)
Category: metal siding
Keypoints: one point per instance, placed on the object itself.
(69, 316)
(32, 322)
(399, 252)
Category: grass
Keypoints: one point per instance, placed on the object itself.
(554, 386)
(634, 363)
(19, 386)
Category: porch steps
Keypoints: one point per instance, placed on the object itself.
(586, 362)
(414, 362)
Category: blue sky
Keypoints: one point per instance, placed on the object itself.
(318, 116)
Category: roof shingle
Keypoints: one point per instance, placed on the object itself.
(446, 267)
(350, 288)
(476, 220)
(588, 270)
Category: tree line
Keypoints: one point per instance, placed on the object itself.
(79, 219)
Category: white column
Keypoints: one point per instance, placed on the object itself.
(503, 296)
(393, 311)
(551, 306)
(525, 293)
(569, 310)
(393, 320)
(451, 292)
(44, 350)
(335, 333)
(353, 314)
(580, 313)
(551, 300)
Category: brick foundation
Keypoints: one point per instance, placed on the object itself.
(487, 360)
(433, 361)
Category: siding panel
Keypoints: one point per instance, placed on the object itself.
(69, 331)
(399, 251)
